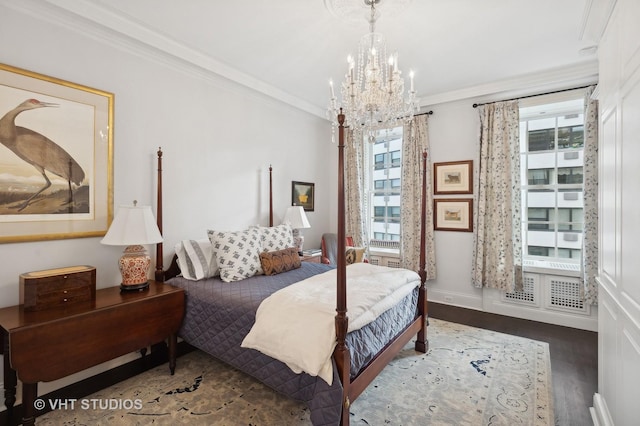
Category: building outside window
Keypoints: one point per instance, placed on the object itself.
(551, 147)
(384, 190)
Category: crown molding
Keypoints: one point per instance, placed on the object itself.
(554, 79)
(112, 28)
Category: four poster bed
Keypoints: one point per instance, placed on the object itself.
(220, 317)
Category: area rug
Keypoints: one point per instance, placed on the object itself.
(469, 376)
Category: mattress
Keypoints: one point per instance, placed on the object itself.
(219, 315)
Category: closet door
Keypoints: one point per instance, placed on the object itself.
(619, 217)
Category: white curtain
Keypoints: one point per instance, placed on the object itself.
(354, 173)
(497, 255)
(590, 197)
(416, 141)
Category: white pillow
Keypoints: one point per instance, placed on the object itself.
(276, 238)
(196, 259)
(237, 253)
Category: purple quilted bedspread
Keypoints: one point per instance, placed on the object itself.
(219, 315)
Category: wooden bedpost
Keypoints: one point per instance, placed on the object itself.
(422, 344)
(270, 196)
(159, 275)
(341, 353)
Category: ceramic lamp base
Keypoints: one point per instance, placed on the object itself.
(134, 267)
(298, 240)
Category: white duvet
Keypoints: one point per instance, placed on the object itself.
(296, 324)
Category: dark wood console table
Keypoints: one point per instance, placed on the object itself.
(47, 345)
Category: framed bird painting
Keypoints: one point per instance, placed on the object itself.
(56, 158)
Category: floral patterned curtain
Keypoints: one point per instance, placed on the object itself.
(497, 255)
(354, 163)
(590, 197)
(416, 141)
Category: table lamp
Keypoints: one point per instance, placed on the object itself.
(132, 227)
(296, 217)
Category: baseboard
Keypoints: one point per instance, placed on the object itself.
(582, 322)
(491, 303)
(600, 412)
(455, 299)
(90, 385)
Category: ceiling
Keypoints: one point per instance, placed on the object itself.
(289, 49)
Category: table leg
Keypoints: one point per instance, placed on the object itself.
(29, 395)
(10, 379)
(173, 343)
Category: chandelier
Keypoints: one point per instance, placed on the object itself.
(373, 91)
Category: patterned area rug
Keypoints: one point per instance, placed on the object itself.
(469, 376)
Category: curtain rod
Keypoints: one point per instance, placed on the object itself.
(422, 113)
(533, 96)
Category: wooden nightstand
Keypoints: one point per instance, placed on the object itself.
(41, 346)
(314, 258)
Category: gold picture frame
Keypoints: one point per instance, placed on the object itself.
(56, 159)
(453, 177)
(453, 214)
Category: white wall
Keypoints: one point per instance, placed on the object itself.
(218, 140)
(453, 136)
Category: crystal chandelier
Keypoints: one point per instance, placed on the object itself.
(373, 90)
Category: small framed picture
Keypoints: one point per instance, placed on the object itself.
(302, 194)
(453, 177)
(453, 214)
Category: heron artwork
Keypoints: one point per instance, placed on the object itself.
(38, 150)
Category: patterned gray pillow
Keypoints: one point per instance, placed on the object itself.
(237, 253)
(276, 237)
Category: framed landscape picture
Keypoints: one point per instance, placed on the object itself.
(453, 177)
(56, 157)
(302, 194)
(453, 214)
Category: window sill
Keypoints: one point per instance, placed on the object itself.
(389, 252)
(552, 267)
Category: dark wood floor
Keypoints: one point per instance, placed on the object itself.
(574, 357)
(574, 363)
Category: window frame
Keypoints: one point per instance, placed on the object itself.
(554, 222)
(389, 171)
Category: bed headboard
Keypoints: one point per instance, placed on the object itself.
(173, 270)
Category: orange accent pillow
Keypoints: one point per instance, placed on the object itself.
(275, 262)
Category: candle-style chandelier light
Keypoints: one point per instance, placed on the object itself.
(373, 93)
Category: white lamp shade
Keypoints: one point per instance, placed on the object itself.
(133, 225)
(296, 217)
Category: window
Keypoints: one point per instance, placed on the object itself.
(384, 188)
(379, 161)
(385, 160)
(551, 144)
(395, 158)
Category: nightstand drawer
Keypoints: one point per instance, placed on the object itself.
(59, 297)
